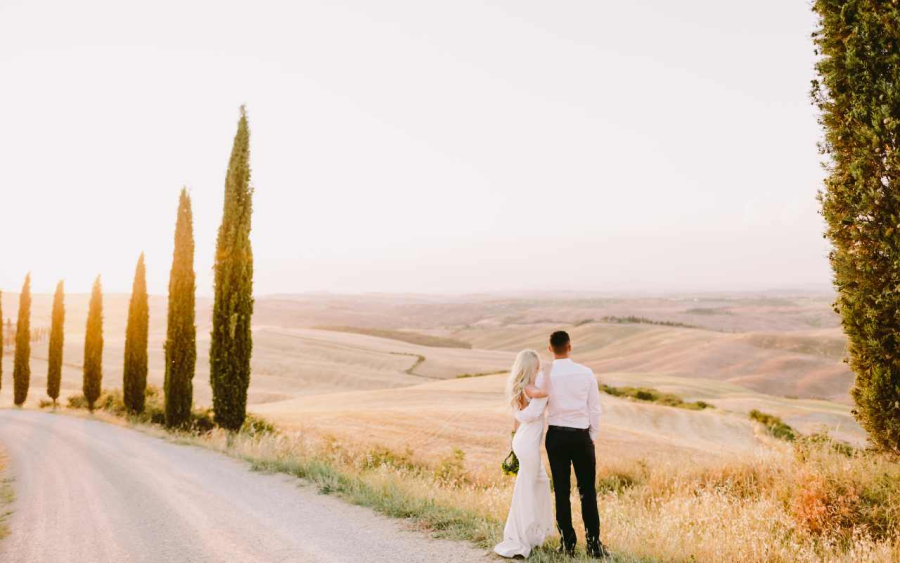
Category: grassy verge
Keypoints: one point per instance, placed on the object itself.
(805, 501)
(6, 497)
(648, 395)
(439, 497)
(112, 402)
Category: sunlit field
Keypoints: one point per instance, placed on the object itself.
(810, 501)
(381, 408)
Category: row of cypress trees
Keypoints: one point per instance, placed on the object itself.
(231, 344)
(93, 346)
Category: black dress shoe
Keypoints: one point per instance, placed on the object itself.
(597, 550)
(568, 551)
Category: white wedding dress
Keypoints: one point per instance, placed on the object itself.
(530, 519)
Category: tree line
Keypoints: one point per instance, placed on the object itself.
(231, 344)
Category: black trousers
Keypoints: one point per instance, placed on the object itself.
(567, 448)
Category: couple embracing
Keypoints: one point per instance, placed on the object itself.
(567, 394)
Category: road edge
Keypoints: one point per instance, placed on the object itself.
(7, 494)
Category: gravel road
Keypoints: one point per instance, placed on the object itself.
(90, 492)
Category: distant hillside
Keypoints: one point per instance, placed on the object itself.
(403, 336)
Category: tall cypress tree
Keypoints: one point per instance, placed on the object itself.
(22, 358)
(857, 93)
(232, 343)
(55, 351)
(134, 374)
(93, 347)
(181, 331)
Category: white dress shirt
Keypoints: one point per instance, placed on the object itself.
(574, 397)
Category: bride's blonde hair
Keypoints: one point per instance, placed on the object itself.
(523, 373)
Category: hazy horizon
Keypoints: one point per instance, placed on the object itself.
(410, 149)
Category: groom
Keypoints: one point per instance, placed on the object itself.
(573, 415)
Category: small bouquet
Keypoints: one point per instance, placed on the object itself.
(510, 465)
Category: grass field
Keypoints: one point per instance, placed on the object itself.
(386, 412)
(801, 502)
(403, 336)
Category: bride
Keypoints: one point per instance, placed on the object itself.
(530, 518)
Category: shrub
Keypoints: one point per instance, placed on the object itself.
(380, 456)
(649, 395)
(201, 420)
(452, 469)
(616, 482)
(818, 440)
(77, 402)
(253, 425)
(774, 425)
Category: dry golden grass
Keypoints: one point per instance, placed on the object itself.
(471, 414)
(6, 495)
(783, 504)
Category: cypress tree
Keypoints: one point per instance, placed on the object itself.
(22, 358)
(181, 331)
(93, 347)
(55, 351)
(232, 343)
(858, 44)
(134, 374)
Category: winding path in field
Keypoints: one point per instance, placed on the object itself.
(90, 492)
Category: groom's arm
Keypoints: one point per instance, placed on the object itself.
(594, 407)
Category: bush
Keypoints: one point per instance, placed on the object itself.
(840, 494)
(616, 482)
(201, 421)
(253, 425)
(77, 402)
(452, 469)
(774, 425)
(819, 440)
(649, 395)
(380, 456)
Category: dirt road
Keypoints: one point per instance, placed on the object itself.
(90, 492)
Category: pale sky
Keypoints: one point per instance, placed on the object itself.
(416, 146)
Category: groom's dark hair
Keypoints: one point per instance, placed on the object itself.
(559, 340)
